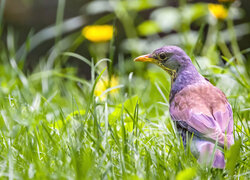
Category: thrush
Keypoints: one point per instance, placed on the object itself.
(201, 111)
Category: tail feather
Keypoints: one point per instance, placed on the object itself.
(202, 149)
(206, 150)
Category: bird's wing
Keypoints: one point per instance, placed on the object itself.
(203, 108)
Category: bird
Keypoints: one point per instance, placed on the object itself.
(200, 111)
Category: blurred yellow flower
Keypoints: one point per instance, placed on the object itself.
(103, 85)
(98, 33)
(218, 11)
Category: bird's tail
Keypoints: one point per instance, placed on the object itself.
(208, 154)
(203, 149)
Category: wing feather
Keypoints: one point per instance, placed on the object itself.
(205, 109)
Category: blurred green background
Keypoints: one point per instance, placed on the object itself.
(141, 26)
(74, 105)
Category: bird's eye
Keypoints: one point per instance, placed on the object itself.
(162, 56)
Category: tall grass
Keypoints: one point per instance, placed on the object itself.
(52, 126)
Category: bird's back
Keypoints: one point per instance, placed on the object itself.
(203, 110)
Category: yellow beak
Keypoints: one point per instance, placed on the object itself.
(144, 58)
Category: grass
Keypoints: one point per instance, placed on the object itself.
(52, 126)
(66, 132)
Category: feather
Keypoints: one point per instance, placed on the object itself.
(204, 108)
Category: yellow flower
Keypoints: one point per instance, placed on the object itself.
(218, 11)
(98, 33)
(103, 84)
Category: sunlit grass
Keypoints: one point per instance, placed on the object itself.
(67, 132)
(54, 125)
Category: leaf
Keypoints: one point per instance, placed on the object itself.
(148, 28)
(233, 156)
(116, 114)
(129, 105)
(78, 57)
(167, 18)
(186, 174)
(193, 12)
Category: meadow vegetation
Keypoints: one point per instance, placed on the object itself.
(55, 124)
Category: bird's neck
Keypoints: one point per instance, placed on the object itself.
(184, 76)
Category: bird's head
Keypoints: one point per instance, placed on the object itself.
(170, 58)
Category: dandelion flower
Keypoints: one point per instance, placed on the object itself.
(103, 85)
(218, 11)
(98, 33)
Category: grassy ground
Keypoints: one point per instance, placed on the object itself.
(53, 126)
